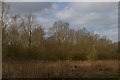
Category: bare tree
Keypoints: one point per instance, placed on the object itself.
(32, 31)
(4, 8)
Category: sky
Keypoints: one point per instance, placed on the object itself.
(100, 17)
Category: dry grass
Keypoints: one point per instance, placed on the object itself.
(58, 69)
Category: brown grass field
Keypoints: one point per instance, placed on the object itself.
(60, 69)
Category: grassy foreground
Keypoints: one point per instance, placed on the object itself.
(60, 69)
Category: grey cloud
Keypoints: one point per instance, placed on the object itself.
(85, 7)
(27, 7)
(98, 16)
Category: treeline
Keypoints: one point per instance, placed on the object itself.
(24, 37)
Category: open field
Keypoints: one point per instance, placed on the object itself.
(58, 69)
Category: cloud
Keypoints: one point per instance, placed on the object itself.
(28, 7)
(111, 33)
(100, 17)
(66, 13)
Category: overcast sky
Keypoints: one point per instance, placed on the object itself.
(100, 17)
